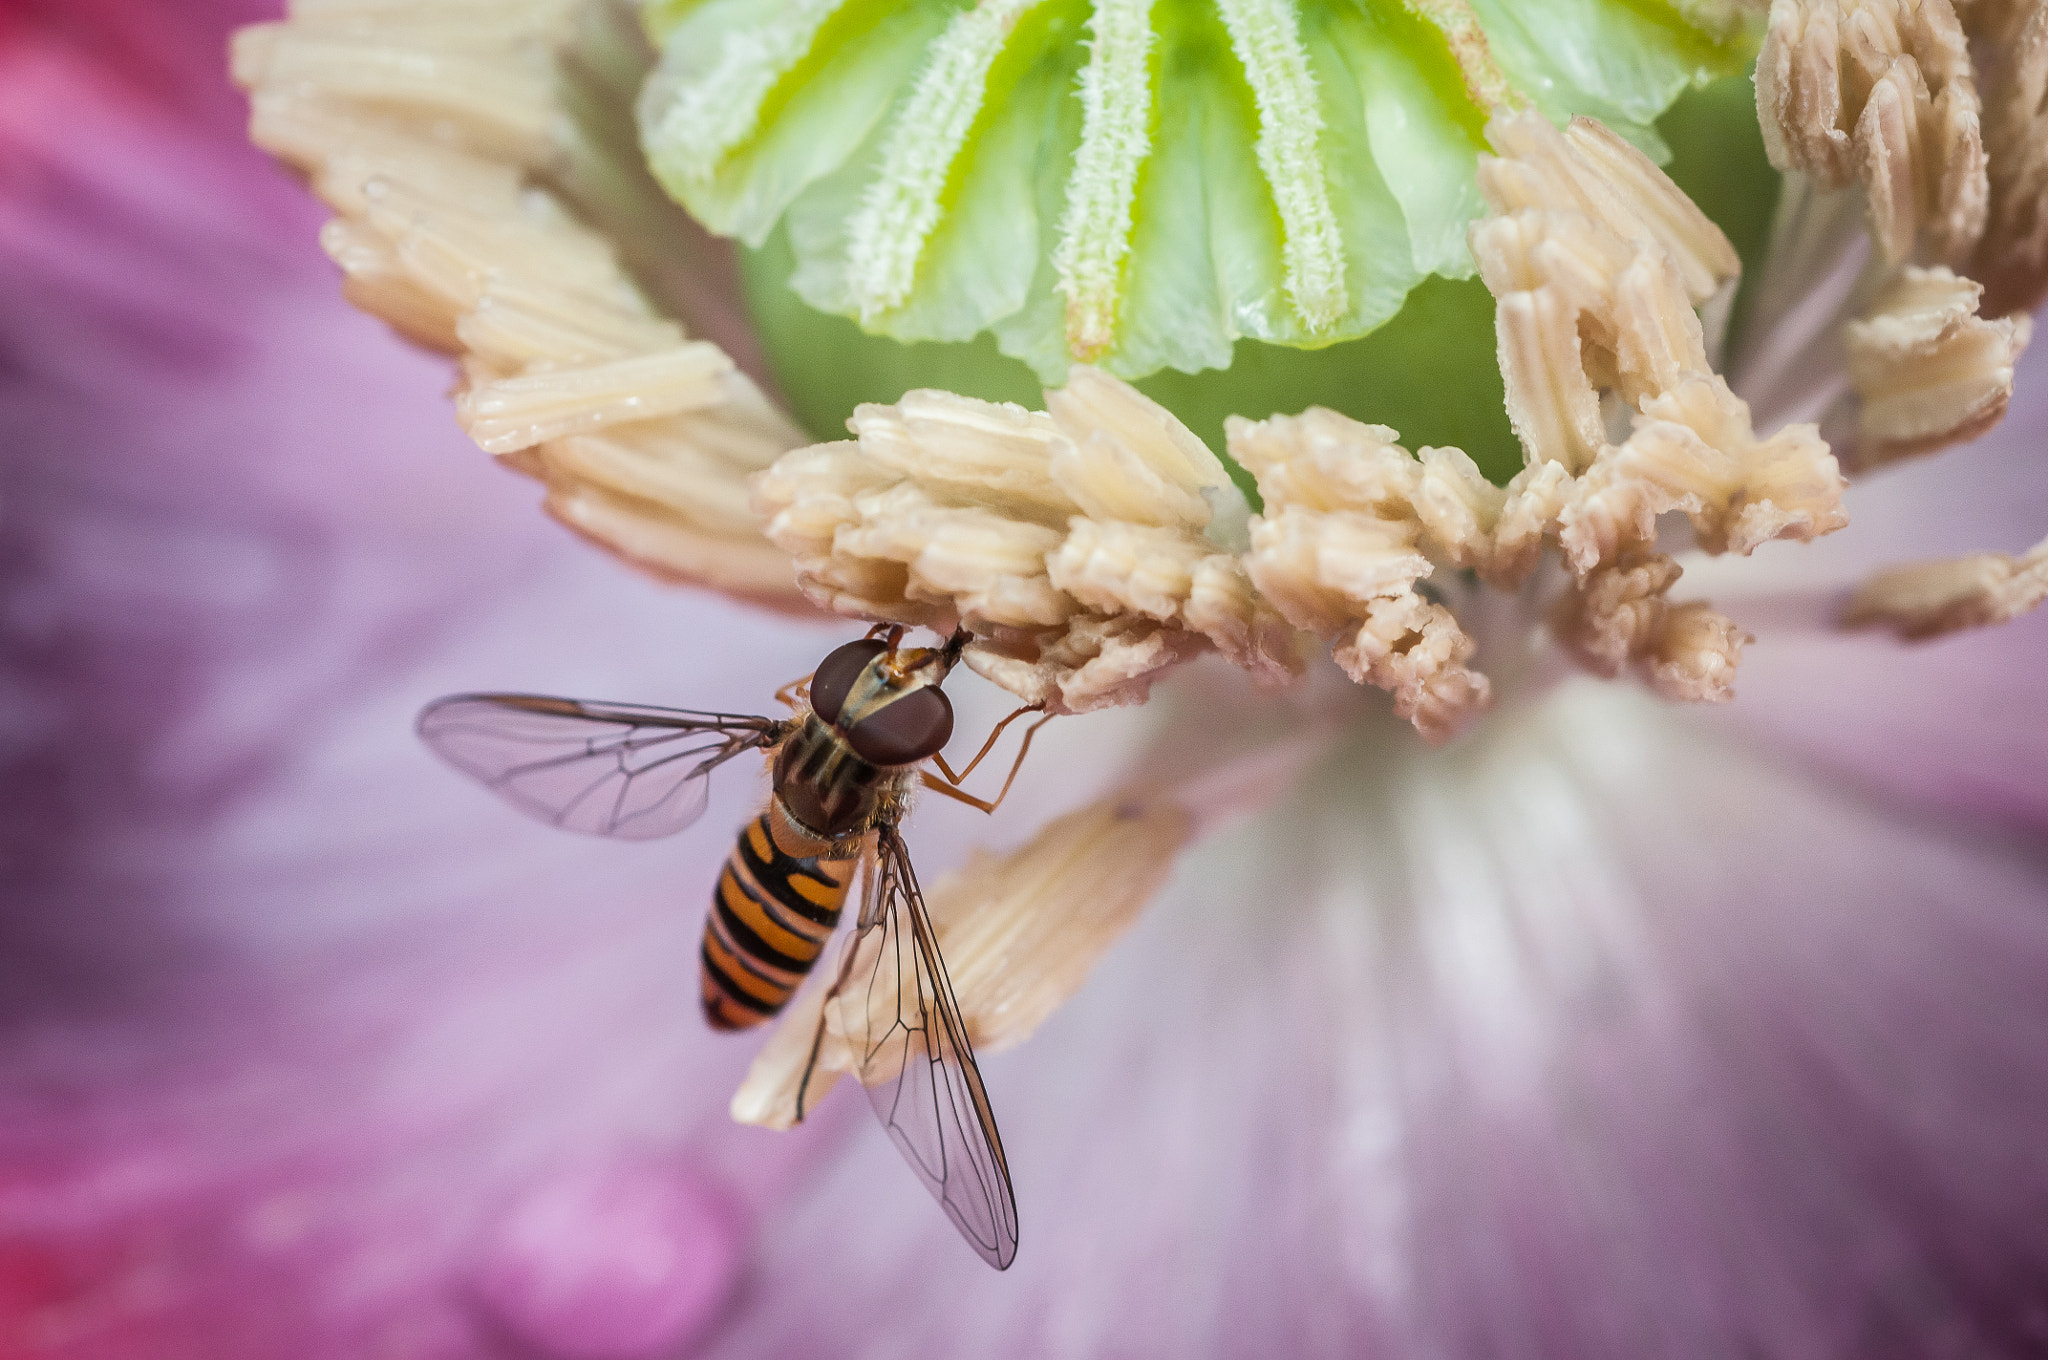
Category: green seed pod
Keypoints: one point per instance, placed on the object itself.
(1161, 188)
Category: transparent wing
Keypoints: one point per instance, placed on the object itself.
(912, 1055)
(625, 770)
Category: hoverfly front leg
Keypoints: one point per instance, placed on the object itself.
(795, 694)
(950, 786)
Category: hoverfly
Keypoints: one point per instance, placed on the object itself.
(845, 767)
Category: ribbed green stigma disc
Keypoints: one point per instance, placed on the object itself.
(1154, 186)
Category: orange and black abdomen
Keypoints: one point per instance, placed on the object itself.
(770, 916)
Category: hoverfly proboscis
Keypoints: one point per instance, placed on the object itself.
(845, 767)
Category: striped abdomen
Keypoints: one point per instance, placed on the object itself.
(775, 906)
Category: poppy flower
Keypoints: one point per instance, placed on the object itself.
(1516, 1010)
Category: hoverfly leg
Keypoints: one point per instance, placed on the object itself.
(811, 1063)
(950, 785)
(989, 745)
(803, 1087)
(937, 785)
(795, 694)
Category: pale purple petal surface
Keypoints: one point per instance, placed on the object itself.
(1598, 1036)
(1961, 721)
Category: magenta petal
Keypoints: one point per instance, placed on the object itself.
(611, 1263)
(170, 54)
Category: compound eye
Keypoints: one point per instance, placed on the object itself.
(833, 680)
(906, 731)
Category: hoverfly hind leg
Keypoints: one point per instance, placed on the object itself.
(803, 1087)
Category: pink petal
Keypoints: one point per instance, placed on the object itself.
(623, 1262)
(300, 1027)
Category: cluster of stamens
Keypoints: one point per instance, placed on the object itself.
(1096, 544)
(1091, 546)
(1931, 114)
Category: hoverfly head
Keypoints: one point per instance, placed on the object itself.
(886, 700)
(838, 673)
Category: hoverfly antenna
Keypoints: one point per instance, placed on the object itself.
(945, 656)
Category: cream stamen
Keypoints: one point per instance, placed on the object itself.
(1929, 370)
(1074, 540)
(1882, 95)
(507, 414)
(440, 135)
(2012, 257)
(1617, 617)
(1596, 263)
(1880, 92)
(1339, 549)
(1885, 94)
(1927, 599)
